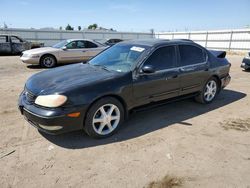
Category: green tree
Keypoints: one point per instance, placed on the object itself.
(68, 27)
(93, 26)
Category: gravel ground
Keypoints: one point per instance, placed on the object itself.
(203, 145)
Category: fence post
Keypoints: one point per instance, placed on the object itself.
(172, 35)
(60, 35)
(189, 36)
(230, 42)
(206, 39)
(36, 36)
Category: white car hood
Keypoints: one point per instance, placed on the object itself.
(41, 50)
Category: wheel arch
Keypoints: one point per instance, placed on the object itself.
(47, 54)
(218, 80)
(119, 98)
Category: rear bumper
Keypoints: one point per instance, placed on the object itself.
(225, 81)
(51, 121)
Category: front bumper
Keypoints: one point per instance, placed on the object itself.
(245, 63)
(51, 121)
(225, 81)
(30, 60)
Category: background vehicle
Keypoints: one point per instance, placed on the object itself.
(11, 44)
(111, 42)
(67, 51)
(97, 96)
(246, 62)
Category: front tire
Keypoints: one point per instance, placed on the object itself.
(209, 92)
(48, 61)
(104, 118)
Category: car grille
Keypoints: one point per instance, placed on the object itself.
(30, 97)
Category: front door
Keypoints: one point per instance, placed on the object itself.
(161, 84)
(74, 52)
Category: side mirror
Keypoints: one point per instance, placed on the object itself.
(64, 48)
(148, 69)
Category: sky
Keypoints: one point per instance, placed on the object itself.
(127, 15)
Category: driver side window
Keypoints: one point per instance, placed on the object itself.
(162, 58)
(72, 45)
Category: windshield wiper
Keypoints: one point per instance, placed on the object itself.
(102, 67)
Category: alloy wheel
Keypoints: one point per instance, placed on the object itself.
(106, 119)
(210, 90)
(48, 61)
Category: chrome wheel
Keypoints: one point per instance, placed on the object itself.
(106, 119)
(210, 91)
(48, 62)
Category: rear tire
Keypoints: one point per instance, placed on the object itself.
(104, 118)
(209, 92)
(48, 61)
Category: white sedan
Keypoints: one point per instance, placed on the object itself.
(67, 51)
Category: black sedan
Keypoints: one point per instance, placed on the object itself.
(98, 96)
(246, 62)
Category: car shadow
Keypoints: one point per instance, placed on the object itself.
(40, 67)
(147, 121)
(246, 70)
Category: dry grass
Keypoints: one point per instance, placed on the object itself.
(237, 124)
(166, 182)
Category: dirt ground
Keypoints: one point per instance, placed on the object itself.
(203, 145)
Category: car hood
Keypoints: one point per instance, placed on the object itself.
(62, 79)
(41, 50)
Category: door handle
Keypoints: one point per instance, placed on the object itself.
(84, 51)
(186, 69)
(172, 77)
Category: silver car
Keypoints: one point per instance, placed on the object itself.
(67, 51)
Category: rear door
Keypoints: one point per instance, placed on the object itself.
(5, 45)
(193, 66)
(163, 83)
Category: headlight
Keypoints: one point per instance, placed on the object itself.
(51, 100)
(30, 55)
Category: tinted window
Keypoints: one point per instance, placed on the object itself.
(89, 44)
(80, 44)
(191, 55)
(162, 58)
(72, 45)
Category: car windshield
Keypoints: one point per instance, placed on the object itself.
(120, 57)
(60, 44)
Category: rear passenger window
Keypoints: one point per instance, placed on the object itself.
(89, 44)
(191, 55)
(162, 58)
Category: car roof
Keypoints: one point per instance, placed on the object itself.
(8, 35)
(157, 42)
(80, 39)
